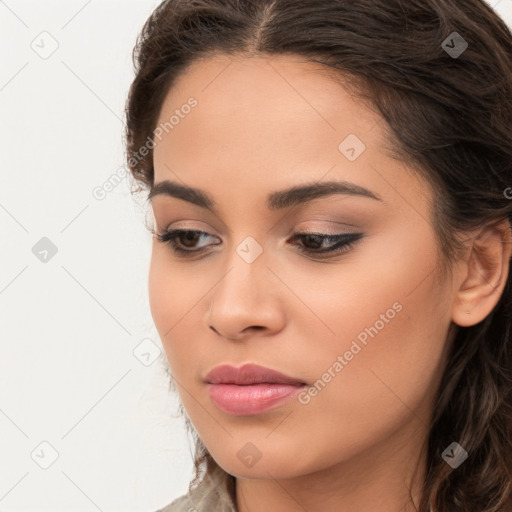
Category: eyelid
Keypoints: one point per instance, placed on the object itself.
(341, 227)
(321, 231)
(206, 218)
(329, 221)
(186, 226)
(322, 214)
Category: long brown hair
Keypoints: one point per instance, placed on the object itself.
(449, 115)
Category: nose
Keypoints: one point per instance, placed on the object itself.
(247, 301)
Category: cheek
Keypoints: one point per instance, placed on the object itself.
(390, 321)
(170, 299)
(173, 291)
(392, 378)
(178, 302)
(387, 292)
(389, 382)
(160, 300)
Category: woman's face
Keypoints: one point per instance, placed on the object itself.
(363, 328)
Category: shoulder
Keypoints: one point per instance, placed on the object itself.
(209, 496)
(181, 504)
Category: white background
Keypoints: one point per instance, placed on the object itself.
(69, 377)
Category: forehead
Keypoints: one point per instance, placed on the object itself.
(284, 94)
(262, 124)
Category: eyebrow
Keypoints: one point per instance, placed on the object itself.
(275, 201)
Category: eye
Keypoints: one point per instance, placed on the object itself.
(337, 243)
(188, 236)
(183, 242)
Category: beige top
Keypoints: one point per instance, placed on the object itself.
(216, 493)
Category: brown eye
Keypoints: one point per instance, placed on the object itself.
(187, 240)
(337, 243)
(189, 237)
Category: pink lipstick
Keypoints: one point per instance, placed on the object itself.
(250, 389)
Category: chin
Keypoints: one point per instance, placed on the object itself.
(272, 466)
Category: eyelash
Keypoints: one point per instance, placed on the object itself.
(345, 241)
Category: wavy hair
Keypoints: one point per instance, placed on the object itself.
(449, 116)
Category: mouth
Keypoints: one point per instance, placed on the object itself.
(250, 389)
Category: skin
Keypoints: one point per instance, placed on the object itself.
(266, 124)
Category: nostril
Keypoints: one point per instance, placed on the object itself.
(220, 334)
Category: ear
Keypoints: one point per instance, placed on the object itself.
(483, 273)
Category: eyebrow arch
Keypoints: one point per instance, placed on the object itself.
(275, 201)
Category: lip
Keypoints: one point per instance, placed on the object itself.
(248, 374)
(250, 389)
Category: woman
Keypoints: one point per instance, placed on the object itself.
(330, 275)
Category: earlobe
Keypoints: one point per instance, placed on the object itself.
(485, 274)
